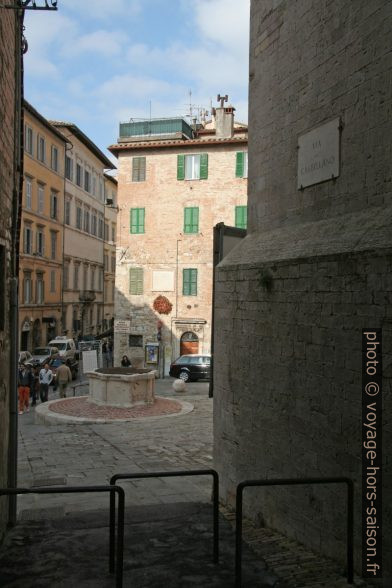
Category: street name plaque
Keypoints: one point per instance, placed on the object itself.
(319, 154)
(122, 326)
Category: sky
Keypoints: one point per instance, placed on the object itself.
(97, 63)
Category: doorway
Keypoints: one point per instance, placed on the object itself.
(189, 344)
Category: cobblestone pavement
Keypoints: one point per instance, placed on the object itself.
(90, 454)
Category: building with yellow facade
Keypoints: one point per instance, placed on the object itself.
(41, 239)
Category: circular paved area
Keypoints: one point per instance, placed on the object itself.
(79, 410)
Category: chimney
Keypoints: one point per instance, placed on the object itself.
(224, 117)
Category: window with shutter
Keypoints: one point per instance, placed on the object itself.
(29, 192)
(241, 217)
(136, 281)
(192, 167)
(54, 160)
(68, 168)
(189, 282)
(137, 220)
(191, 220)
(29, 140)
(138, 169)
(180, 167)
(204, 166)
(241, 166)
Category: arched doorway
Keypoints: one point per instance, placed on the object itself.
(189, 343)
(25, 333)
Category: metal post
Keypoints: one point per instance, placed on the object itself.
(114, 479)
(350, 532)
(120, 538)
(112, 531)
(238, 536)
(215, 498)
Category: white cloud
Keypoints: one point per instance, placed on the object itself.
(99, 42)
(222, 21)
(104, 9)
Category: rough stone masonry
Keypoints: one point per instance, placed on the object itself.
(9, 182)
(314, 270)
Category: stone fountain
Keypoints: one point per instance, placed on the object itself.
(122, 387)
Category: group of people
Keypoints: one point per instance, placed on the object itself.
(33, 381)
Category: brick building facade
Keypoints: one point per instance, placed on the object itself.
(314, 270)
(10, 161)
(174, 184)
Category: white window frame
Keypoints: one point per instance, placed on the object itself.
(29, 140)
(192, 166)
(41, 149)
(29, 193)
(41, 198)
(54, 158)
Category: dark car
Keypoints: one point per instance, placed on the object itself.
(55, 363)
(191, 367)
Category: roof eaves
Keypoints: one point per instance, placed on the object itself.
(85, 140)
(173, 144)
(43, 120)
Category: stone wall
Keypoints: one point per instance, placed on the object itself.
(313, 271)
(7, 185)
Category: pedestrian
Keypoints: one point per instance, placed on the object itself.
(63, 375)
(45, 379)
(34, 385)
(23, 389)
(105, 360)
(110, 352)
(125, 362)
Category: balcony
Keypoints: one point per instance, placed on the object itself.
(86, 296)
(155, 128)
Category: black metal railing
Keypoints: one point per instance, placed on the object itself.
(288, 482)
(181, 473)
(76, 489)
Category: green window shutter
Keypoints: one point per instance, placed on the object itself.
(241, 217)
(137, 220)
(180, 167)
(189, 282)
(204, 166)
(239, 164)
(136, 280)
(191, 220)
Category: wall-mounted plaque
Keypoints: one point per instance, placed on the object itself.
(122, 326)
(318, 154)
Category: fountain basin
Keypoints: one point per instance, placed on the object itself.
(125, 387)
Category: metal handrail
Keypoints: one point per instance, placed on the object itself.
(75, 489)
(287, 482)
(181, 473)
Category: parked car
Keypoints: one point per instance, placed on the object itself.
(25, 357)
(43, 354)
(87, 343)
(56, 362)
(65, 346)
(191, 367)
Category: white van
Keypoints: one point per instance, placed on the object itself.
(66, 347)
